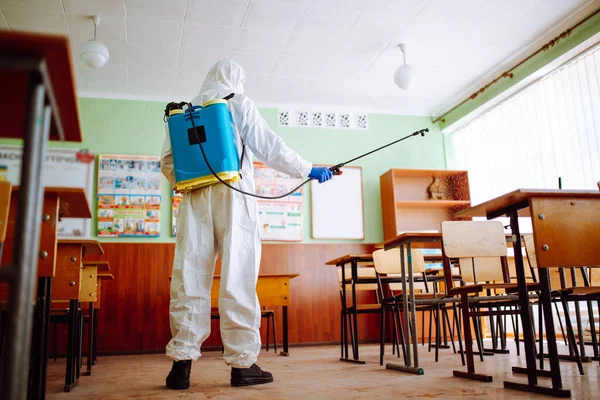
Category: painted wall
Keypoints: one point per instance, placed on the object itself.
(136, 127)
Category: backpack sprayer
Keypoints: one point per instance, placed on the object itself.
(191, 171)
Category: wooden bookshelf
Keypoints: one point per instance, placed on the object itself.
(406, 204)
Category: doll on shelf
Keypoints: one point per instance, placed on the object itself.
(437, 190)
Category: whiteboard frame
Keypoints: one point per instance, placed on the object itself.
(362, 197)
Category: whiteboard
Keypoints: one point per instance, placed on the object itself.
(62, 168)
(337, 206)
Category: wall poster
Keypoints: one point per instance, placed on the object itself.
(73, 168)
(129, 196)
(280, 220)
(175, 200)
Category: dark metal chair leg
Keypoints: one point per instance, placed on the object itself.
(381, 335)
(268, 326)
(571, 334)
(274, 334)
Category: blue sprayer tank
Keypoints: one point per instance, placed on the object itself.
(191, 171)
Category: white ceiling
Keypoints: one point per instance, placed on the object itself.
(309, 52)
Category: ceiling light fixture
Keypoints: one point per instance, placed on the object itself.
(405, 76)
(94, 53)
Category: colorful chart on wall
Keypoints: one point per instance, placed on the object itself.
(73, 168)
(175, 201)
(128, 196)
(280, 219)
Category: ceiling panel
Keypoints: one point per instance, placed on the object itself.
(398, 7)
(272, 15)
(199, 60)
(137, 54)
(327, 20)
(47, 5)
(310, 45)
(172, 10)
(153, 33)
(35, 21)
(114, 8)
(109, 73)
(262, 41)
(298, 66)
(254, 62)
(202, 36)
(341, 4)
(340, 52)
(216, 12)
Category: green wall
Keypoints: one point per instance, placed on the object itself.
(136, 127)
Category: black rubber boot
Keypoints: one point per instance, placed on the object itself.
(250, 376)
(179, 377)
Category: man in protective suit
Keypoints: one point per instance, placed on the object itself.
(215, 219)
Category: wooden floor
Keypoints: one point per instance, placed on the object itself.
(311, 373)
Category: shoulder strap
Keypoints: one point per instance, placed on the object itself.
(227, 98)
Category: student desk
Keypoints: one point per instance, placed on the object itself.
(68, 285)
(353, 260)
(272, 290)
(409, 241)
(565, 231)
(57, 203)
(104, 274)
(37, 103)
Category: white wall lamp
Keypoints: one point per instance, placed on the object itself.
(94, 53)
(405, 76)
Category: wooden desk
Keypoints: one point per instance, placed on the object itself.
(565, 230)
(57, 203)
(272, 290)
(37, 103)
(68, 287)
(104, 274)
(354, 260)
(407, 241)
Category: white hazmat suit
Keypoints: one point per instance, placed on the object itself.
(216, 219)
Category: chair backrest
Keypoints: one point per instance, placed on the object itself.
(363, 272)
(5, 193)
(388, 262)
(479, 247)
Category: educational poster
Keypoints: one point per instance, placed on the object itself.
(175, 201)
(128, 196)
(279, 219)
(73, 168)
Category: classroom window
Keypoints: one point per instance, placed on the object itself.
(549, 130)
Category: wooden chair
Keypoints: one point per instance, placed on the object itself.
(369, 285)
(388, 268)
(566, 289)
(480, 247)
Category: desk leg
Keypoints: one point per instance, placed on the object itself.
(344, 332)
(354, 311)
(26, 244)
(528, 337)
(285, 332)
(70, 381)
(90, 350)
(46, 330)
(410, 332)
(95, 346)
(39, 348)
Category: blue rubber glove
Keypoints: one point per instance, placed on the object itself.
(321, 174)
